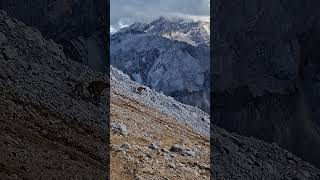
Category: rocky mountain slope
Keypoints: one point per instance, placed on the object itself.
(171, 56)
(79, 26)
(155, 137)
(46, 132)
(266, 72)
(49, 132)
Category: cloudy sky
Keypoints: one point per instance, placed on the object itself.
(126, 12)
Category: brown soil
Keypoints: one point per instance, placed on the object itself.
(146, 126)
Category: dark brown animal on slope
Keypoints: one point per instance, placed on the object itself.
(140, 89)
(95, 88)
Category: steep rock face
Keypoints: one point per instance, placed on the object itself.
(265, 72)
(80, 26)
(46, 130)
(166, 55)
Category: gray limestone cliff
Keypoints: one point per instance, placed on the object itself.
(171, 56)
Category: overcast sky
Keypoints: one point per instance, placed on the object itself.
(126, 12)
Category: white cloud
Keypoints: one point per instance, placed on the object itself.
(121, 24)
(126, 12)
(112, 29)
(189, 16)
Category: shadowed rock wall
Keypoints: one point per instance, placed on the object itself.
(80, 26)
(266, 71)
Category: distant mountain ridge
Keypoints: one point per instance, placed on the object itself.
(189, 31)
(167, 55)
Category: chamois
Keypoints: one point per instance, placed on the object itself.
(140, 89)
(95, 88)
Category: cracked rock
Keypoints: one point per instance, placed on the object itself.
(153, 146)
(119, 128)
(176, 148)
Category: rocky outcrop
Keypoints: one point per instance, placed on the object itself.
(265, 72)
(47, 131)
(80, 26)
(167, 139)
(171, 56)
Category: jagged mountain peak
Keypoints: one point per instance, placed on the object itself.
(169, 55)
(161, 19)
(184, 30)
(133, 28)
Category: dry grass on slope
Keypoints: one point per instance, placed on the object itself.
(131, 156)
